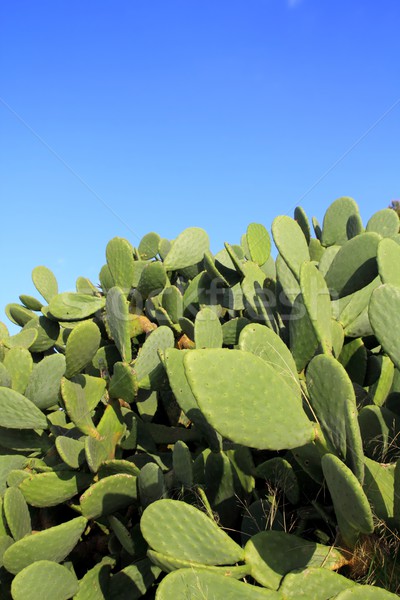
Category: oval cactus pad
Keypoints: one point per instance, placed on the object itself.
(246, 399)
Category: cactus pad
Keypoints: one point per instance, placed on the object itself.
(109, 495)
(241, 396)
(53, 544)
(44, 579)
(184, 532)
(351, 505)
(385, 319)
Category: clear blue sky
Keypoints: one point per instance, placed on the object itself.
(123, 117)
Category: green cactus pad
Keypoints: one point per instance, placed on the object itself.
(69, 306)
(133, 581)
(291, 243)
(82, 344)
(184, 532)
(385, 222)
(273, 554)
(97, 450)
(354, 359)
(44, 579)
(106, 279)
(233, 298)
(5, 542)
(313, 583)
(316, 250)
(31, 302)
(265, 343)
(53, 544)
(225, 266)
(148, 367)
(255, 294)
(379, 390)
(77, 406)
(231, 330)
(384, 316)
(350, 307)
(24, 440)
(109, 495)
(85, 286)
(352, 509)
(123, 383)
(120, 261)
(122, 534)
(187, 249)
(47, 333)
(111, 428)
(303, 341)
(152, 280)
(198, 584)
(327, 259)
(16, 476)
(23, 339)
(105, 358)
(71, 451)
(366, 592)
(330, 390)
(177, 379)
(246, 399)
(317, 301)
(354, 266)
(53, 488)
(164, 246)
(17, 412)
(258, 242)
(116, 466)
(207, 329)
(117, 310)
(19, 363)
(172, 302)
(341, 222)
(302, 219)
(223, 487)
(9, 462)
(45, 282)
(151, 484)
(94, 388)
(112, 423)
(44, 383)
(94, 585)
(18, 314)
(17, 513)
(337, 337)
(5, 377)
(388, 261)
(212, 270)
(236, 255)
(182, 464)
(170, 563)
(148, 246)
(379, 488)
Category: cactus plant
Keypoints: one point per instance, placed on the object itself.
(191, 392)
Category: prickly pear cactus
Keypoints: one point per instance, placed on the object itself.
(208, 425)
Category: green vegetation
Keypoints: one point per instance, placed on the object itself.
(207, 427)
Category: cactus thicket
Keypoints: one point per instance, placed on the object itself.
(208, 426)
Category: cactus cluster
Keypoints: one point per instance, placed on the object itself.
(208, 426)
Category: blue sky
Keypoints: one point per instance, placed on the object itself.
(124, 117)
